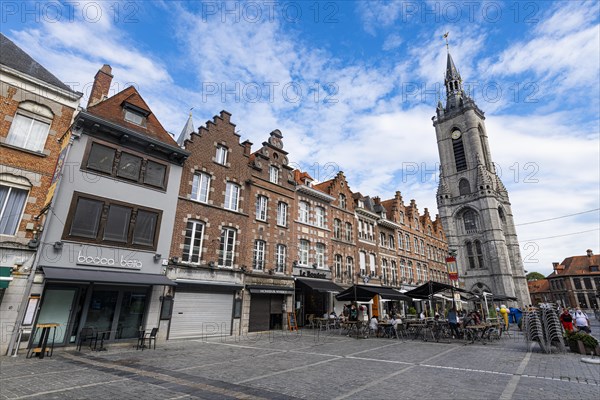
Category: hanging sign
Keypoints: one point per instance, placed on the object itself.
(452, 268)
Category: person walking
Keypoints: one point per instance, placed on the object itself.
(581, 321)
(566, 320)
(453, 321)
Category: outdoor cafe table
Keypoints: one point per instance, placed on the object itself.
(321, 322)
(477, 332)
(417, 327)
(353, 327)
(42, 347)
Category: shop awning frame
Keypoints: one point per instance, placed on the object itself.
(428, 289)
(219, 284)
(366, 293)
(320, 285)
(103, 276)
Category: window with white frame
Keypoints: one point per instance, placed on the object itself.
(400, 237)
(382, 239)
(392, 242)
(416, 243)
(192, 244)
(362, 262)
(342, 200)
(372, 264)
(200, 187)
(384, 272)
(232, 196)
(418, 272)
(411, 274)
(258, 259)
(337, 263)
(261, 208)
(349, 266)
(403, 270)
(348, 231)
(416, 224)
(407, 242)
(227, 247)
(401, 217)
(303, 252)
(12, 204)
(394, 268)
(422, 247)
(303, 210)
(320, 255)
(30, 126)
(280, 258)
(221, 156)
(282, 213)
(337, 228)
(320, 217)
(273, 174)
(425, 273)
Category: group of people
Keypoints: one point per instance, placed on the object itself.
(575, 319)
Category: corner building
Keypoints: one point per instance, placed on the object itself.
(472, 200)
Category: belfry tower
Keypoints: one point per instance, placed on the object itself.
(472, 201)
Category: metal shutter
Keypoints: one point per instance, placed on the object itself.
(260, 313)
(200, 313)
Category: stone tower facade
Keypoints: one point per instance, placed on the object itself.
(472, 201)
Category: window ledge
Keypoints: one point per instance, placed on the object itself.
(33, 153)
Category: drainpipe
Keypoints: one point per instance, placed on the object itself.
(75, 134)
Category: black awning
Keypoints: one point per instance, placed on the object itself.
(270, 289)
(430, 288)
(94, 275)
(320, 285)
(366, 293)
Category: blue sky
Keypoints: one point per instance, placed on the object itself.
(353, 87)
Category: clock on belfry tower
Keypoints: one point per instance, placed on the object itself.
(472, 200)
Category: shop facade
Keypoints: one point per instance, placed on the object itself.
(315, 293)
(267, 299)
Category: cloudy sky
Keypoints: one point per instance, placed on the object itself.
(353, 87)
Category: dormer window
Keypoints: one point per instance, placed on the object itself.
(135, 114)
(134, 118)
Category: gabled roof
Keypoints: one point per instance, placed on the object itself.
(14, 57)
(111, 110)
(577, 265)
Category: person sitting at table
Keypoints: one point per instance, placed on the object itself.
(394, 321)
(353, 313)
(332, 315)
(422, 315)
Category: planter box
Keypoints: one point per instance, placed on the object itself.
(578, 347)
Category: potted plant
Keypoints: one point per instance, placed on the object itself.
(582, 343)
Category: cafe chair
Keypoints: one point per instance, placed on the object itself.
(151, 337)
(140, 340)
(87, 334)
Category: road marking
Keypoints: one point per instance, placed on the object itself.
(283, 371)
(70, 388)
(511, 386)
(40, 374)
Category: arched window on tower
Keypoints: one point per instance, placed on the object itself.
(460, 159)
(464, 187)
(479, 252)
(470, 221)
(501, 215)
(471, 255)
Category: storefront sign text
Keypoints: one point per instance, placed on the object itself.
(108, 262)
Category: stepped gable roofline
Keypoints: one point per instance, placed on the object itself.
(111, 110)
(223, 117)
(13, 57)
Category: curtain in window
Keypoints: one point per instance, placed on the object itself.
(12, 202)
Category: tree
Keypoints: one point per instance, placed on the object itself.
(534, 276)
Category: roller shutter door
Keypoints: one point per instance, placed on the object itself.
(201, 313)
(260, 313)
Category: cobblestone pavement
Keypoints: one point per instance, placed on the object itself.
(309, 365)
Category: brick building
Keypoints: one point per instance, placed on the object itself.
(575, 282)
(36, 111)
(254, 239)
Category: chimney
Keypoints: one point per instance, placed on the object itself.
(101, 85)
(589, 252)
(247, 147)
(554, 266)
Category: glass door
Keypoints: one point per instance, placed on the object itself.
(102, 310)
(56, 309)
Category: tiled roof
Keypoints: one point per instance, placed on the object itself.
(14, 57)
(111, 110)
(541, 285)
(578, 265)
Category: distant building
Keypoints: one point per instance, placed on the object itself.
(36, 111)
(539, 291)
(575, 281)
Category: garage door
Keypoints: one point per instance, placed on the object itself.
(197, 313)
(260, 312)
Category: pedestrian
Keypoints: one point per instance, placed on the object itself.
(581, 321)
(453, 322)
(566, 320)
(353, 313)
